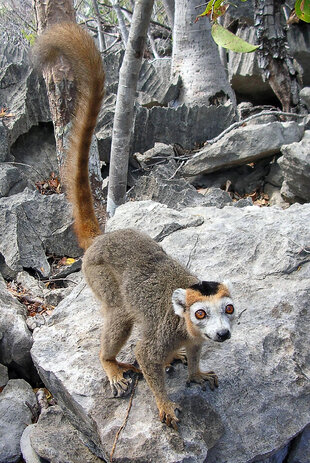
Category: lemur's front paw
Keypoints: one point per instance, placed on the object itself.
(168, 413)
(201, 377)
(120, 377)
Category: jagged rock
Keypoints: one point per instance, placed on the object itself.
(36, 151)
(55, 440)
(12, 181)
(216, 197)
(305, 96)
(295, 167)
(23, 90)
(15, 416)
(244, 73)
(300, 450)
(15, 338)
(263, 369)
(154, 79)
(243, 145)
(4, 143)
(159, 152)
(298, 36)
(187, 126)
(32, 226)
(4, 377)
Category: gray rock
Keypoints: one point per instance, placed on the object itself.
(216, 197)
(4, 143)
(298, 40)
(176, 193)
(154, 79)
(243, 145)
(243, 70)
(165, 221)
(55, 440)
(300, 449)
(23, 91)
(29, 455)
(187, 126)
(15, 338)
(12, 181)
(15, 416)
(244, 202)
(4, 376)
(160, 151)
(33, 225)
(305, 96)
(36, 151)
(295, 166)
(263, 369)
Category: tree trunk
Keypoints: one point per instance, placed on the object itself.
(196, 59)
(124, 111)
(61, 91)
(121, 22)
(99, 26)
(273, 57)
(169, 9)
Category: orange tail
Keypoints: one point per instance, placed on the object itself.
(76, 45)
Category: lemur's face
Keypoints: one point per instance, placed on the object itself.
(207, 308)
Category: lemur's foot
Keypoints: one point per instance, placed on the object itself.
(168, 413)
(179, 354)
(201, 377)
(120, 376)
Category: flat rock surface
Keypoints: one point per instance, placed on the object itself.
(243, 145)
(262, 402)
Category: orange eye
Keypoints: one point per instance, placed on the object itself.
(229, 309)
(200, 314)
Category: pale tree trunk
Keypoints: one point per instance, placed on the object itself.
(99, 26)
(273, 57)
(121, 21)
(196, 59)
(61, 91)
(124, 111)
(169, 9)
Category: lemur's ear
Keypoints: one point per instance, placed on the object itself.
(179, 301)
(228, 285)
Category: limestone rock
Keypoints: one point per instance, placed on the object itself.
(305, 96)
(32, 225)
(4, 377)
(15, 416)
(12, 181)
(262, 369)
(55, 440)
(15, 338)
(243, 145)
(295, 166)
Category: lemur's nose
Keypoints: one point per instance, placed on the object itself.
(223, 335)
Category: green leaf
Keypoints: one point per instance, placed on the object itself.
(227, 39)
(302, 8)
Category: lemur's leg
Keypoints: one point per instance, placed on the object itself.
(114, 335)
(152, 367)
(194, 373)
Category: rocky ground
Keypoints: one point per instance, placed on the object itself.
(231, 205)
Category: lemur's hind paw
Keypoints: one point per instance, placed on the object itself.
(168, 413)
(201, 377)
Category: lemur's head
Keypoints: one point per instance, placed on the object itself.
(207, 308)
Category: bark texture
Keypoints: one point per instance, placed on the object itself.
(273, 56)
(196, 58)
(124, 111)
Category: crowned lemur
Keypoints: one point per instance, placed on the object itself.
(132, 276)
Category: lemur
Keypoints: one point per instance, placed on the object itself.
(132, 276)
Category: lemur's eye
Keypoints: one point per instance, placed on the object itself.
(200, 314)
(229, 309)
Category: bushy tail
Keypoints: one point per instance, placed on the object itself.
(76, 45)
